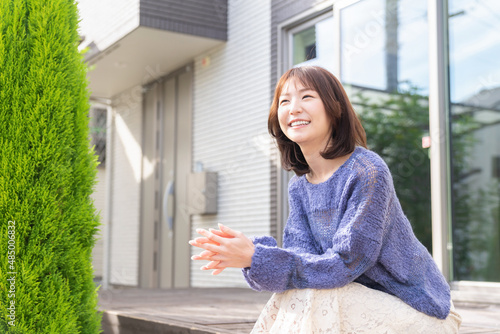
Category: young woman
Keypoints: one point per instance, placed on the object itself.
(350, 262)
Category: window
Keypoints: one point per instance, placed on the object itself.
(311, 43)
(474, 106)
(98, 117)
(384, 67)
(380, 49)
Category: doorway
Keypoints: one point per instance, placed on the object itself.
(165, 222)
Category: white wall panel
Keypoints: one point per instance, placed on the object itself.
(125, 206)
(98, 196)
(231, 104)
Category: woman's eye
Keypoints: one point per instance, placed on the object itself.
(283, 102)
(306, 96)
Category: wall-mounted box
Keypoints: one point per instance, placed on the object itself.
(202, 193)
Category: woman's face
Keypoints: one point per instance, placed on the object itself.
(302, 116)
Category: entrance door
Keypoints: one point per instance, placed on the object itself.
(165, 229)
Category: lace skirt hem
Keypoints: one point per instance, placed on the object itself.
(350, 309)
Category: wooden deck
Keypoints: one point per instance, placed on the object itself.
(227, 310)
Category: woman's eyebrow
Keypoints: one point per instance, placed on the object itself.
(300, 91)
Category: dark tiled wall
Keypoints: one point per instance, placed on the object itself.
(195, 17)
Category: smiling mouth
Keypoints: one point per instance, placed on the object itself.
(298, 123)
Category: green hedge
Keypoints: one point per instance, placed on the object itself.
(47, 172)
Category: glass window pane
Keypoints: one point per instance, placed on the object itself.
(384, 57)
(475, 147)
(304, 45)
(98, 119)
(362, 29)
(314, 45)
(384, 45)
(413, 46)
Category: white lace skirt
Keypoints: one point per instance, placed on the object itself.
(350, 309)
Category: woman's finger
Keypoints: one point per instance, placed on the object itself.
(205, 240)
(195, 243)
(228, 230)
(211, 265)
(208, 246)
(203, 246)
(220, 233)
(205, 255)
(217, 257)
(217, 271)
(210, 235)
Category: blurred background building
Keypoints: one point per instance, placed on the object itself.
(180, 96)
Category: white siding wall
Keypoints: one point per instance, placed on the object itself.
(125, 183)
(106, 21)
(231, 103)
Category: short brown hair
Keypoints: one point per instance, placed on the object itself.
(347, 131)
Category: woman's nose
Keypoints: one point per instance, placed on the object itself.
(295, 107)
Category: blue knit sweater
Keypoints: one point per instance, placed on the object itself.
(350, 228)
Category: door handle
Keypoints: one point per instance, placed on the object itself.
(169, 216)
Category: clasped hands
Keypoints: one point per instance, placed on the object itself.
(223, 248)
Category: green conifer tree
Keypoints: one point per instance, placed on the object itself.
(47, 173)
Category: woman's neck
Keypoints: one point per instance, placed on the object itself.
(322, 169)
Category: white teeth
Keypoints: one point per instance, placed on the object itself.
(297, 123)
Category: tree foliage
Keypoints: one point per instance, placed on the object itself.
(47, 171)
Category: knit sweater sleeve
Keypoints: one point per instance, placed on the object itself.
(355, 248)
(297, 237)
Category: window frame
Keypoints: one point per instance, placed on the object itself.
(288, 28)
(301, 27)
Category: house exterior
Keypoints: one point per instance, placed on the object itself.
(187, 87)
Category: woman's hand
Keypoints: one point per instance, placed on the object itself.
(207, 255)
(224, 248)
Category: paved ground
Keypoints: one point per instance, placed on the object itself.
(200, 311)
